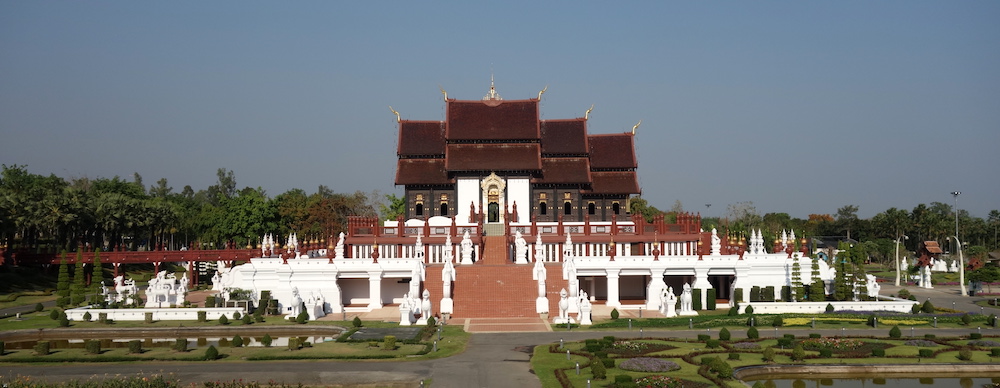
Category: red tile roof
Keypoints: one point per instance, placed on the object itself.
(614, 182)
(421, 138)
(493, 157)
(612, 151)
(492, 120)
(564, 137)
(421, 172)
(932, 247)
(565, 170)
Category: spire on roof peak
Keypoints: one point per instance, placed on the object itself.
(492, 95)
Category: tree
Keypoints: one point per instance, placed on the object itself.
(396, 207)
(78, 291)
(987, 274)
(640, 206)
(847, 216)
(797, 288)
(743, 216)
(817, 289)
(62, 284)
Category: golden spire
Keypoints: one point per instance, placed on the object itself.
(542, 92)
(586, 114)
(636, 126)
(394, 112)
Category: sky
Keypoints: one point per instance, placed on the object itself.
(797, 107)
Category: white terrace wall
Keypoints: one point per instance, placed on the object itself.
(168, 314)
(820, 307)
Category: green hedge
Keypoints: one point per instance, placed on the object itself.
(696, 299)
(711, 299)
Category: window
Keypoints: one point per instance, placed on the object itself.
(616, 208)
(591, 208)
(567, 208)
(543, 208)
(444, 208)
(419, 209)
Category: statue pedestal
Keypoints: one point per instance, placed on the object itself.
(687, 313)
(585, 316)
(521, 260)
(561, 320)
(542, 305)
(404, 316)
(466, 260)
(447, 306)
(422, 321)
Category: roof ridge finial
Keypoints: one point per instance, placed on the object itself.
(492, 95)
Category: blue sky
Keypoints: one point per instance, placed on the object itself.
(799, 107)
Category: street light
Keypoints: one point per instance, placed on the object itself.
(961, 260)
(904, 237)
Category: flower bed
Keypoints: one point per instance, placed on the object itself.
(984, 343)
(745, 345)
(659, 381)
(648, 364)
(924, 343)
(831, 343)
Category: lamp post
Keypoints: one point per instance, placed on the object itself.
(897, 256)
(961, 260)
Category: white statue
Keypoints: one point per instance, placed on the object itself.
(405, 315)
(418, 248)
(520, 249)
(295, 306)
(585, 309)
(686, 298)
(466, 247)
(563, 308)
(873, 286)
(539, 248)
(654, 293)
(416, 276)
(447, 276)
(339, 248)
(539, 273)
(669, 308)
(425, 308)
(216, 282)
(716, 243)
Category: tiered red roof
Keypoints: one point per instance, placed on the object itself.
(507, 135)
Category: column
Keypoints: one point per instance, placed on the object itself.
(375, 290)
(613, 296)
(701, 283)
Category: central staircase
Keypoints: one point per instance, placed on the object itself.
(494, 286)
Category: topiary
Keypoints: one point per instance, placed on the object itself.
(211, 353)
(356, 322)
(431, 321)
(734, 311)
(135, 346)
(829, 308)
(237, 341)
(302, 318)
(752, 333)
(202, 316)
(724, 334)
(614, 313)
(915, 309)
(768, 354)
(927, 307)
(223, 320)
(798, 354)
(389, 342)
(749, 310)
(266, 341)
(92, 346)
(247, 320)
(598, 370)
(54, 314)
(777, 322)
(63, 320)
(87, 317)
(39, 307)
(237, 315)
(966, 319)
(42, 348)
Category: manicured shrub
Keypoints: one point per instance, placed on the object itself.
(39, 307)
(223, 320)
(258, 318)
(609, 363)
(904, 293)
(768, 354)
(777, 322)
(767, 294)
(224, 341)
(966, 319)
(211, 353)
(815, 335)
(614, 313)
(930, 336)
(237, 341)
(598, 369)
(878, 352)
(752, 333)
(712, 343)
(894, 332)
(991, 320)
(927, 307)
(798, 354)
(247, 320)
(710, 301)
(995, 352)
(785, 342)
(293, 344)
(431, 321)
(623, 379)
(975, 335)
(356, 322)
(148, 317)
(210, 301)
(724, 334)
(965, 354)
(755, 294)
(302, 318)
(267, 340)
(696, 299)
(703, 337)
(63, 320)
(829, 308)
(389, 342)
(102, 317)
(738, 295)
(135, 346)
(92, 346)
(734, 356)
(734, 311)
(42, 348)
(915, 309)
(54, 314)
(722, 368)
(826, 352)
(237, 315)
(87, 317)
(749, 310)
(925, 353)
(202, 316)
